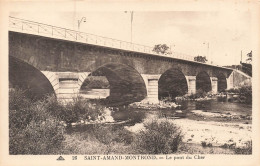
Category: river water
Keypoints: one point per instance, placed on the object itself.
(129, 116)
(217, 106)
(185, 109)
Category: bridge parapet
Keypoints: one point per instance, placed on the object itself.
(35, 28)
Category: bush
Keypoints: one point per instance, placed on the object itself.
(233, 90)
(245, 94)
(245, 150)
(39, 137)
(199, 94)
(32, 129)
(95, 82)
(167, 99)
(124, 136)
(158, 138)
(104, 134)
(18, 99)
(78, 109)
(205, 144)
(83, 109)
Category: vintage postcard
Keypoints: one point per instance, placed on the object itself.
(129, 83)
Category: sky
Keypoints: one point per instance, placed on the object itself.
(219, 35)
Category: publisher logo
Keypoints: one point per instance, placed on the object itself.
(60, 158)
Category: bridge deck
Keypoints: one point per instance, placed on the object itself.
(35, 28)
(31, 27)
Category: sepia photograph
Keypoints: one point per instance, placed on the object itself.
(131, 84)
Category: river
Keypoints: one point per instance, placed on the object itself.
(185, 111)
(232, 127)
(129, 116)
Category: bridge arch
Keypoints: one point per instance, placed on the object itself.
(222, 82)
(203, 82)
(172, 83)
(125, 83)
(28, 78)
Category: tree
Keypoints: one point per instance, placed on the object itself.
(202, 59)
(162, 48)
(249, 57)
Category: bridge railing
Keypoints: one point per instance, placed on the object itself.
(31, 27)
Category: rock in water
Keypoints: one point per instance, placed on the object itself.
(107, 115)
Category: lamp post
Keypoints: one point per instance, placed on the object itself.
(79, 22)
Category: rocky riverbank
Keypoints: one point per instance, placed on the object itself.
(208, 133)
(228, 115)
(148, 106)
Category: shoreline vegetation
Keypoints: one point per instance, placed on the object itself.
(47, 126)
(239, 94)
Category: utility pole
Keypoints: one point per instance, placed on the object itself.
(132, 18)
(241, 57)
(207, 56)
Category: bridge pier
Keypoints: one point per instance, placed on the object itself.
(151, 83)
(230, 82)
(214, 85)
(68, 86)
(191, 80)
(54, 80)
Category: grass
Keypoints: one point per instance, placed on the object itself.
(99, 139)
(189, 148)
(82, 143)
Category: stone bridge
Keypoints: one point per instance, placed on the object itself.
(47, 64)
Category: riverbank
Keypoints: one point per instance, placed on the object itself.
(214, 135)
(95, 129)
(199, 137)
(220, 128)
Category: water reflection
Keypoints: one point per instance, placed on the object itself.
(220, 105)
(217, 105)
(130, 116)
